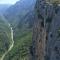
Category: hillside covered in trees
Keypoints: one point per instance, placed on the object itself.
(5, 36)
(20, 16)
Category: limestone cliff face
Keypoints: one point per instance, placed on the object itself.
(53, 43)
(39, 34)
(46, 32)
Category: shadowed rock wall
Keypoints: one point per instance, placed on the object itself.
(46, 32)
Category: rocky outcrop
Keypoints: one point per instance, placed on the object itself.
(39, 33)
(53, 44)
(46, 32)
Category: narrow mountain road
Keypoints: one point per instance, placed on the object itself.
(11, 46)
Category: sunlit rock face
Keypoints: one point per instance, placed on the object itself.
(46, 39)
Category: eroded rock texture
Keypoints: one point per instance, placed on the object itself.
(46, 32)
(53, 44)
(39, 33)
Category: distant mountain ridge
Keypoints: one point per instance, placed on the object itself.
(21, 9)
(4, 7)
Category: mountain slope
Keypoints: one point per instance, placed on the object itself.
(5, 36)
(3, 8)
(18, 12)
(21, 17)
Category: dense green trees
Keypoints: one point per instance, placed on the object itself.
(5, 36)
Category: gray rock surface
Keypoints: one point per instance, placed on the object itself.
(51, 15)
(54, 38)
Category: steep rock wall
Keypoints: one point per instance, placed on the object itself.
(46, 32)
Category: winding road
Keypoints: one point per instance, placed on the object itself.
(11, 46)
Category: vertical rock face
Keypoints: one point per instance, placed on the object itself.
(46, 32)
(38, 37)
(39, 33)
(53, 44)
